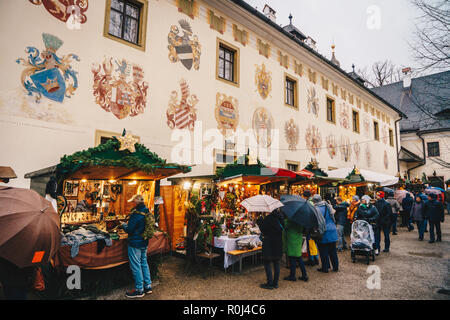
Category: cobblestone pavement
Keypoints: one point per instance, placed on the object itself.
(411, 270)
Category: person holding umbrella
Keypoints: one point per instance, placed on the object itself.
(29, 237)
(270, 224)
(293, 241)
(327, 246)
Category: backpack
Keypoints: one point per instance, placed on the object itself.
(318, 231)
(150, 226)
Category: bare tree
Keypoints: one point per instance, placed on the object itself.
(381, 73)
(431, 46)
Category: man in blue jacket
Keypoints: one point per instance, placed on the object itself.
(137, 249)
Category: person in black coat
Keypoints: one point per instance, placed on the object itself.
(407, 204)
(434, 212)
(272, 246)
(384, 223)
(341, 208)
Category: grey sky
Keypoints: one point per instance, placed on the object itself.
(345, 23)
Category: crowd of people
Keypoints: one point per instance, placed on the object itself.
(281, 236)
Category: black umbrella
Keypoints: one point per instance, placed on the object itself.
(299, 210)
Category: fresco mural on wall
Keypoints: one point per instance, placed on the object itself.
(313, 139)
(120, 88)
(331, 146)
(346, 149)
(65, 10)
(182, 113)
(292, 134)
(263, 125)
(357, 150)
(386, 160)
(345, 116)
(263, 81)
(227, 113)
(368, 155)
(385, 134)
(366, 125)
(184, 48)
(313, 102)
(48, 74)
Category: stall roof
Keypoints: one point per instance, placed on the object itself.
(369, 176)
(251, 179)
(111, 161)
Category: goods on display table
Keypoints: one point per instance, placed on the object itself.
(95, 187)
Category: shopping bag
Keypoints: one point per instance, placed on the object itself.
(312, 248)
(304, 247)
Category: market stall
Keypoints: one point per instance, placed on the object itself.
(94, 187)
(234, 227)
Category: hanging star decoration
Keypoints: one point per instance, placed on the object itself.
(127, 142)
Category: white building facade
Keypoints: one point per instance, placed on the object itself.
(198, 82)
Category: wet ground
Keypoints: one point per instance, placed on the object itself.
(411, 270)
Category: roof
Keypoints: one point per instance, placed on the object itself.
(267, 20)
(426, 102)
(107, 160)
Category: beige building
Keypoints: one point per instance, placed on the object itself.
(199, 82)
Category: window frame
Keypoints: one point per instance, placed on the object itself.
(354, 111)
(438, 154)
(391, 137)
(142, 23)
(236, 65)
(226, 153)
(294, 163)
(376, 130)
(333, 107)
(289, 78)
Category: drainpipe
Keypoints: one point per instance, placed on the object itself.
(396, 143)
(424, 156)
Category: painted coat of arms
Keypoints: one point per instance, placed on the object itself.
(263, 126)
(182, 114)
(227, 113)
(345, 116)
(331, 146)
(313, 139)
(346, 149)
(357, 150)
(386, 160)
(313, 102)
(122, 91)
(64, 10)
(47, 74)
(292, 134)
(263, 81)
(186, 47)
(368, 155)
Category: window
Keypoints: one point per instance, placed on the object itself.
(125, 21)
(292, 165)
(433, 149)
(223, 157)
(290, 91)
(391, 137)
(227, 63)
(376, 131)
(102, 137)
(331, 110)
(355, 121)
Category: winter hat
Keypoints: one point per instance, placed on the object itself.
(366, 198)
(380, 194)
(356, 198)
(137, 198)
(316, 198)
(307, 193)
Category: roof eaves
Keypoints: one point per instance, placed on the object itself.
(261, 16)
